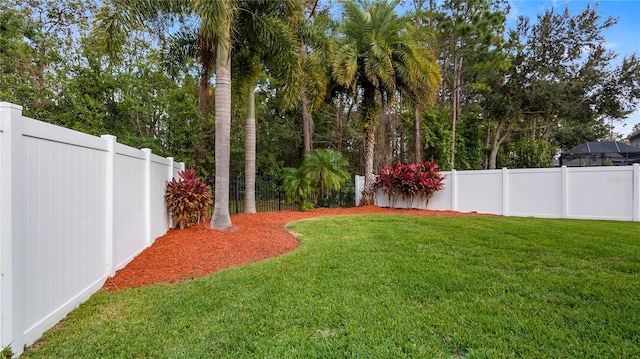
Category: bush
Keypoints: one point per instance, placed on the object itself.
(188, 199)
(321, 172)
(410, 180)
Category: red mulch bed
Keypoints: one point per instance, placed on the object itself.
(184, 254)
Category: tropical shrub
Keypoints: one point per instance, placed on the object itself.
(410, 180)
(297, 188)
(188, 199)
(321, 172)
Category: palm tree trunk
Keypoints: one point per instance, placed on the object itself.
(307, 124)
(250, 155)
(369, 144)
(204, 88)
(307, 119)
(221, 218)
(417, 134)
(455, 106)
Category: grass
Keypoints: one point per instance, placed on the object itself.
(380, 286)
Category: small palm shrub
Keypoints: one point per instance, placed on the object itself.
(188, 199)
(410, 180)
(321, 172)
(297, 188)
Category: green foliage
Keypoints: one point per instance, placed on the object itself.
(436, 134)
(298, 188)
(469, 149)
(410, 180)
(321, 172)
(6, 352)
(381, 286)
(527, 152)
(327, 169)
(188, 199)
(563, 85)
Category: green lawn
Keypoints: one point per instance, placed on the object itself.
(380, 286)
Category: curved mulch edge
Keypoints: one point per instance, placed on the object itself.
(184, 254)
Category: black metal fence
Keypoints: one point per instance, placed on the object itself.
(271, 198)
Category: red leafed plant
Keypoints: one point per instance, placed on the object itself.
(410, 180)
(188, 199)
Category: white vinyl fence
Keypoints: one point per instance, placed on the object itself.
(611, 193)
(74, 209)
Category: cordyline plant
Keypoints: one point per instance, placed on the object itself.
(410, 180)
(188, 199)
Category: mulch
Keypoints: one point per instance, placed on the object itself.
(184, 254)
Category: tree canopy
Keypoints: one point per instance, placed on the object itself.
(381, 82)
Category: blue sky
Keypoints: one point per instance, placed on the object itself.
(623, 38)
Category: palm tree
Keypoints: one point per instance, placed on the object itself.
(377, 56)
(117, 18)
(266, 40)
(326, 169)
(321, 172)
(315, 53)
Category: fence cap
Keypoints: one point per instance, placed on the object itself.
(10, 105)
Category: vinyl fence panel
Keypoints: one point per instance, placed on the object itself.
(129, 237)
(479, 191)
(73, 209)
(601, 192)
(611, 193)
(59, 256)
(535, 192)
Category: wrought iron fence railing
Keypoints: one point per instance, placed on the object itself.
(271, 198)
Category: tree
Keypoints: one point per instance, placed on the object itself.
(562, 86)
(421, 17)
(321, 172)
(315, 53)
(16, 84)
(470, 43)
(266, 40)
(375, 56)
(327, 170)
(118, 18)
(36, 48)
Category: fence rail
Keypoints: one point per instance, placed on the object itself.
(74, 209)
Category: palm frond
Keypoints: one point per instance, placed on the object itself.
(180, 47)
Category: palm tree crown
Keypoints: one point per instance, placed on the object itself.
(380, 54)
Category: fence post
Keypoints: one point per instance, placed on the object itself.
(505, 191)
(564, 189)
(108, 221)
(358, 190)
(169, 178)
(147, 195)
(279, 192)
(237, 194)
(636, 192)
(454, 190)
(10, 231)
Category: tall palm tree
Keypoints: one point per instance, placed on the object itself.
(118, 18)
(265, 40)
(376, 56)
(315, 53)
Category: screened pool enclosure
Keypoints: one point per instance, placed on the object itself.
(608, 153)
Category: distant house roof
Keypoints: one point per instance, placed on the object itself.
(633, 136)
(603, 147)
